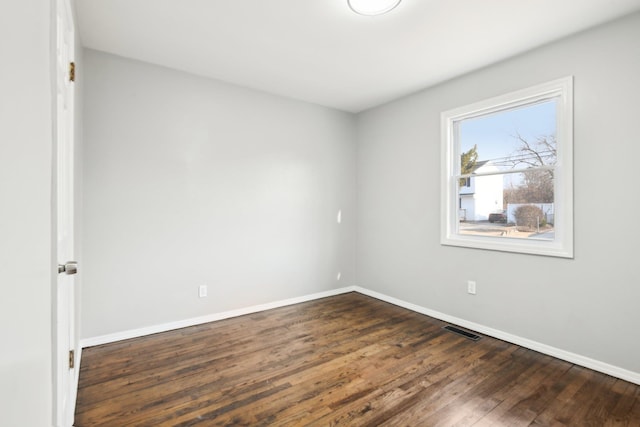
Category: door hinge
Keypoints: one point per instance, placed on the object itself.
(72, 71)
(72, 359)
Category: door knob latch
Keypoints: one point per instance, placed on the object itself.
(70, 267)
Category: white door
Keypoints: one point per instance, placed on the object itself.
(64, 306)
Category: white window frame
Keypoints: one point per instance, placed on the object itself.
(562, 245)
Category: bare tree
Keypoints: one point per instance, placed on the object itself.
(538, 183)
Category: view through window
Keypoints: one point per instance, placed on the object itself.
(507, 172)
(507, 166)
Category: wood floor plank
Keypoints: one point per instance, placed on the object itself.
(527, 394)
(348, 360)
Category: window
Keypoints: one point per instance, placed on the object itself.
(507, 179)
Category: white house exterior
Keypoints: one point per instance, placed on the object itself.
(480, 196)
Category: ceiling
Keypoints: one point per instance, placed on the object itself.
(321, 52)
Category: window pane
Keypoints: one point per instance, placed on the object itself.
(507, 172)
(511, 205)
(517, 138)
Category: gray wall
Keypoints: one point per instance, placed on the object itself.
(26, 265)
(189, 181)
(588, 305)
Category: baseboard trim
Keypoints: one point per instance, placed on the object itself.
(140, 332)
(596, 365)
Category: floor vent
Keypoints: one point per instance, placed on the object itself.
(462, 332)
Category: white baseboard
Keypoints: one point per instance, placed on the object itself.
(596, 365)
(578, 359)
(140, 332)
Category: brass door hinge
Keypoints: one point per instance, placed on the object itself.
(72, 359)
(72, 71)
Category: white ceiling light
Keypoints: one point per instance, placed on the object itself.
(372, 7)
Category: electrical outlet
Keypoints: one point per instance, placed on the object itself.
(202, 291)
(338, 276)
(471, 287)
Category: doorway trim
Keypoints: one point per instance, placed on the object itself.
(65, 354)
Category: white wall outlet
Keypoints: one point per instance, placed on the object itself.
(338, 276)
(471, 287)
(202, 291)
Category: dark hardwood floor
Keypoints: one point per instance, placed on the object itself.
(347, 360)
